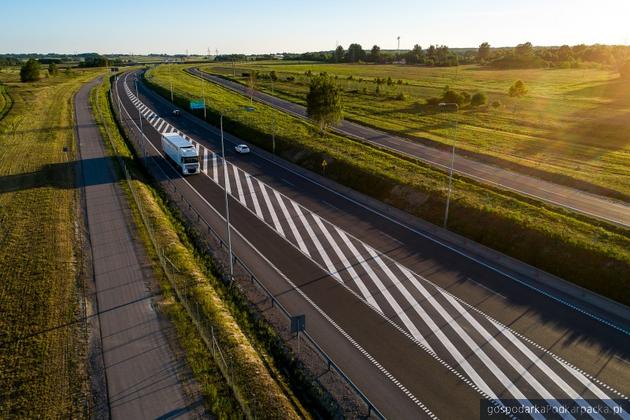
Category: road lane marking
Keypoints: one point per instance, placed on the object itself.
(289, 219)
(346, 264)
(239, 187)
(259, 213)
(329, 265)
(270, 207)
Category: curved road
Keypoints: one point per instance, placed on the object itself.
(560, 195)
(420, 328)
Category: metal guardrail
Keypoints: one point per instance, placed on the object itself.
(194, 217)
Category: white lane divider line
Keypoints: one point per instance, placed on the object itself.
(248, 181)
(329, 265)
(346, 264)
(239, 187)
(270, 207)
(289, 219)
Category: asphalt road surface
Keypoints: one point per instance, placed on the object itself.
(141, 370)
(421, 329)
(570, 198)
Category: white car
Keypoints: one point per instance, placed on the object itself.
(242, 148)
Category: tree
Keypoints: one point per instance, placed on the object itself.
(30, 71)
(479, 99)
(484, 52)
(355, 53)
(375, 54)
(565, 53)
(624, 71)
(518, 89)
(524, 50)
(53, 70)
(273, 75)
(323, 102)
(339, 53)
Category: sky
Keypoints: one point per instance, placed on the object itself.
(175, 27)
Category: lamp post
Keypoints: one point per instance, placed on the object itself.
(171, 73)
(225, 175)
(446, 106)
(273, 126)
(140, 118)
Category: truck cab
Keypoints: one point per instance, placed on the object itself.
(181, 152)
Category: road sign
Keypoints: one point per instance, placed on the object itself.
(198, 104)
(298, 323)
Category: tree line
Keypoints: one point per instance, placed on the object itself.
(526, 55)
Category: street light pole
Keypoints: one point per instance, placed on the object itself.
(171, 72)
(225, 175)
(227, 205)
(450, 176)
(273, 128)
(140, 118)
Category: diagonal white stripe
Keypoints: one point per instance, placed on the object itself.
(289, 219)
(513, 362)
(257, 209)
(318, 245)
(271, 209)
(493, 368)
(239, 187)
(346, 264)
(215, 173)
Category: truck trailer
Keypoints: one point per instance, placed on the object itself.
(182, 152)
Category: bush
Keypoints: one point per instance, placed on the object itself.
(434, 100)
(401, 96)
(290, 78)
(450, 96)
(479, 99)
(30, 71)
(496, 104)
(53, 70)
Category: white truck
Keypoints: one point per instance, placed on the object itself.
(182, 152)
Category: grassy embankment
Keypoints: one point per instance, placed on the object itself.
(42, 341)
(257, 386)
(571, 127)
(589, 253)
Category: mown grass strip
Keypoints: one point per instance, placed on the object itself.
(42, 340)
(591, 254)
(251, 382)
(5, 101)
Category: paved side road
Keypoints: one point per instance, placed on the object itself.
(141, 370)
(560, 195)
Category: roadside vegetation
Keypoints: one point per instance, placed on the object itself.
(591, 254)
(42, 337)
(568, 125)
(265, 381)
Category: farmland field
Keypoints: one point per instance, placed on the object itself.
(42, 372)
(572, 122)
(548, 238)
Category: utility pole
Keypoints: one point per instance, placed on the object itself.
(398, 44)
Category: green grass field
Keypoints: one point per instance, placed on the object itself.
(42, 344)
(573, 123)
(574, 248)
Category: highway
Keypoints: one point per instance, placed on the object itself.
(573, 199)
(423, 330)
